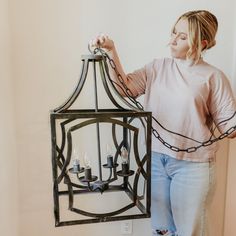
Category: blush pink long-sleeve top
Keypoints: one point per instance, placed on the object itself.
(186, 99)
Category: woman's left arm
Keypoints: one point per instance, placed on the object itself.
(223, 104)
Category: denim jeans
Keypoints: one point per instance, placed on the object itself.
(181, 192)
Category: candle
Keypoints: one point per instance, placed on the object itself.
(88, 173)
(124, 155)
(76, 165)
(125, 160)
(75, 162)
(125, 168)
(110, 161)
(87, 170)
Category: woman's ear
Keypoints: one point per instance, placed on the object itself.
(204, 44)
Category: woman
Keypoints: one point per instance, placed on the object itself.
(187, 96)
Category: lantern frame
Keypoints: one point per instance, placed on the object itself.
(65, 121)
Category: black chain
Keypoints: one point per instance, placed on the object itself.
(130, 96)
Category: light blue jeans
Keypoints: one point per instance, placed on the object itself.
(181, 192)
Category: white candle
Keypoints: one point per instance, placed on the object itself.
(124, 155)
(125, 160)
(76, 165)
(75, 161)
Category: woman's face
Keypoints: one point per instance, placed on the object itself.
(179, 40)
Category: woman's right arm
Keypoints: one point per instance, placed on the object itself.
(103, 41)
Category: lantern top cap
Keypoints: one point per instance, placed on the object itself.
(92, 57)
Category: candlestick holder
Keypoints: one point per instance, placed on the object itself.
(125, 171)
(110, 163)
(73, 171)
(125, 124)
(88, 179)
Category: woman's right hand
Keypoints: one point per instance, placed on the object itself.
(102, 41)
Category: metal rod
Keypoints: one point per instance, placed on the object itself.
(54, 171)
(97, 124)
(125, 135)
(149, 154)
(104, 219)
(125, 141)
(106, 87)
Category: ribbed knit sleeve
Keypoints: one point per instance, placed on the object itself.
(222, 103)
(138, 79)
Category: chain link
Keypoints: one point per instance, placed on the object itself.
(155, 133)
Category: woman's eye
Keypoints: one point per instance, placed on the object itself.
(183, 37)
(173, 34)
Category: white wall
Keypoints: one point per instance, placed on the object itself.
(233, 75)
(230, 209)
(231, 192)
(48, 40)
(8, 160)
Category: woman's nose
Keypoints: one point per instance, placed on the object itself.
(173, 40)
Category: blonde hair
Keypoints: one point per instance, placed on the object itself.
(202, 25)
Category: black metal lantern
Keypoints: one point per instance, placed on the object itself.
(119, 176)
